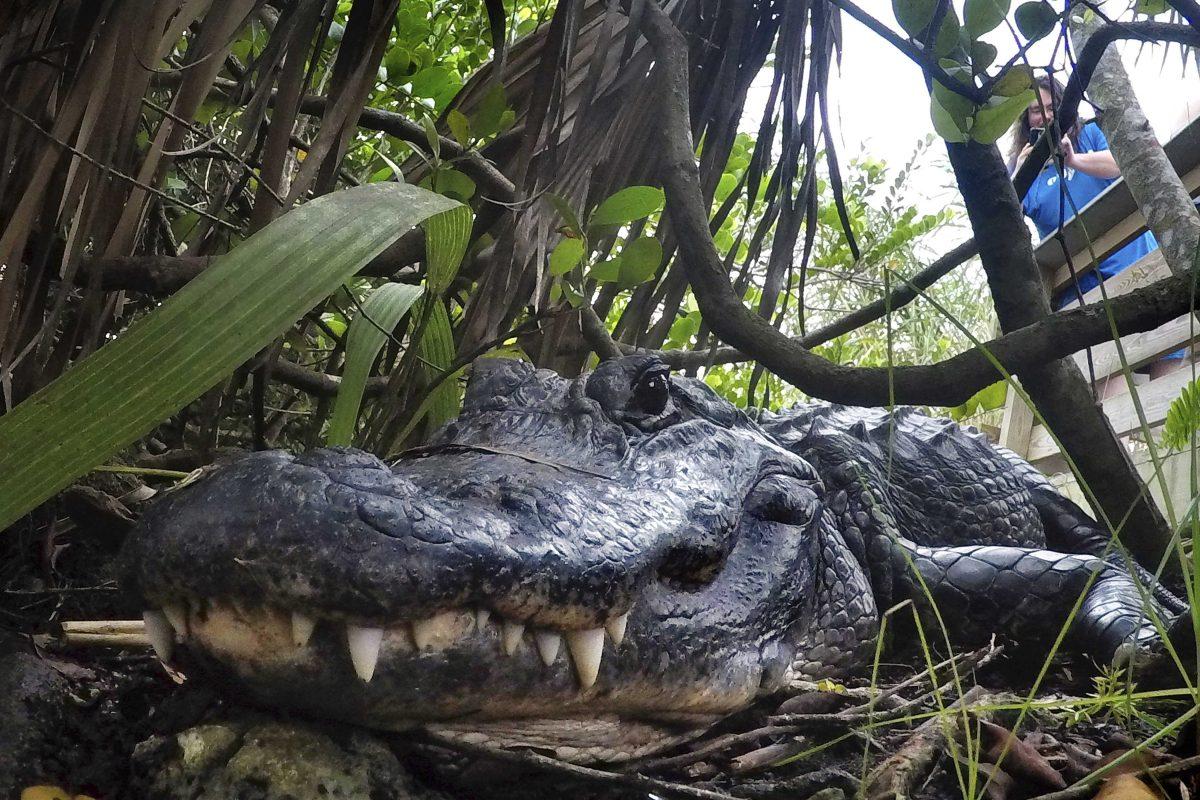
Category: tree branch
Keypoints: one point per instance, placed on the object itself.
(161, 275)
(319, 383)
(1188, 9)
(947, 383)
(1057, 336)
(494, 183)
(901, 296)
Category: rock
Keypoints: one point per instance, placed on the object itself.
(265, 760)
(31, 711)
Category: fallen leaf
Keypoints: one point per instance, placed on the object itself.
(1136, 763)
(1022, 760)
(44, 793)
(1126, 787)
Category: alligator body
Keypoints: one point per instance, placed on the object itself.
(594, 565)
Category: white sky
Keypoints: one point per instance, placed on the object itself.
(882, 107)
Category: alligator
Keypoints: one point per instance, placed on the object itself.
(599, 565)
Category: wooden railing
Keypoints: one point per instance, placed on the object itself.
(1111, 220)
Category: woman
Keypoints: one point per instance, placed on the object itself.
(1088, 168)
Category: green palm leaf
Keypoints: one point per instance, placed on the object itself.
(218, 321)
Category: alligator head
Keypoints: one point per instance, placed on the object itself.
(593, 552)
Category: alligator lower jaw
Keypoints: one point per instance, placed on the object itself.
(265, 635)
(465, 669)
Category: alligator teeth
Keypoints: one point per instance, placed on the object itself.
(547, 644)
(177, 616)
(481, 618)
(441, 627)
(302, 628)
(364, 649)
(616, 628)
(586, 648)
(160, 633)
(510, 634)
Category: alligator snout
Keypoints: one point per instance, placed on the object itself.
(422, 558)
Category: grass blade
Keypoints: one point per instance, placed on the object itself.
(218, 321)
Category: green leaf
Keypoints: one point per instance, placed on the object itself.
(565, 256)
(981, 16)
(215, 323)
(446, 238)
(639, 260)
(1151, 7)
(380, 314)
(568, 215)
(1014, 81)
(412, 25)
(988, 398)
(991, 121)
(487, 119)
(632, 202)
(607, 271)
(432, 81)
(397, 61)
(431, 136)
(914, 15)
(1035, 19)
(436, 349)
(454, 184)
(1183, 418)
(982, 56)
(460, 126)
(951, 113)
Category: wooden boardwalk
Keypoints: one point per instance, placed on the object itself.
(1111, 220)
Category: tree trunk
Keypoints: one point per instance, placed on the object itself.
(1058, 389)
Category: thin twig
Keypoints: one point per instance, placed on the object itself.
(111, 171)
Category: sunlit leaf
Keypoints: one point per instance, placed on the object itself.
(632, 202)
(460, 126)
(639, 260)
(565, 256)
(431, 81)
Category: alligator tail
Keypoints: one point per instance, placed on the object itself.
(1028, 594)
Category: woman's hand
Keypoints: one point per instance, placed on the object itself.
(1098, 164)
(1070, 157)
(1024, 154)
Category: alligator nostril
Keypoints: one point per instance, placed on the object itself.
(690, 568)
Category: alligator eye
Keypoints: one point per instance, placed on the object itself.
(777, 498)
(652, 393)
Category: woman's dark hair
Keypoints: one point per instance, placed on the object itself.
(1021, 129)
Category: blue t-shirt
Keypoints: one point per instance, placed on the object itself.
(1042, 204)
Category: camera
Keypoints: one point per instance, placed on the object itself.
(1035, 134)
